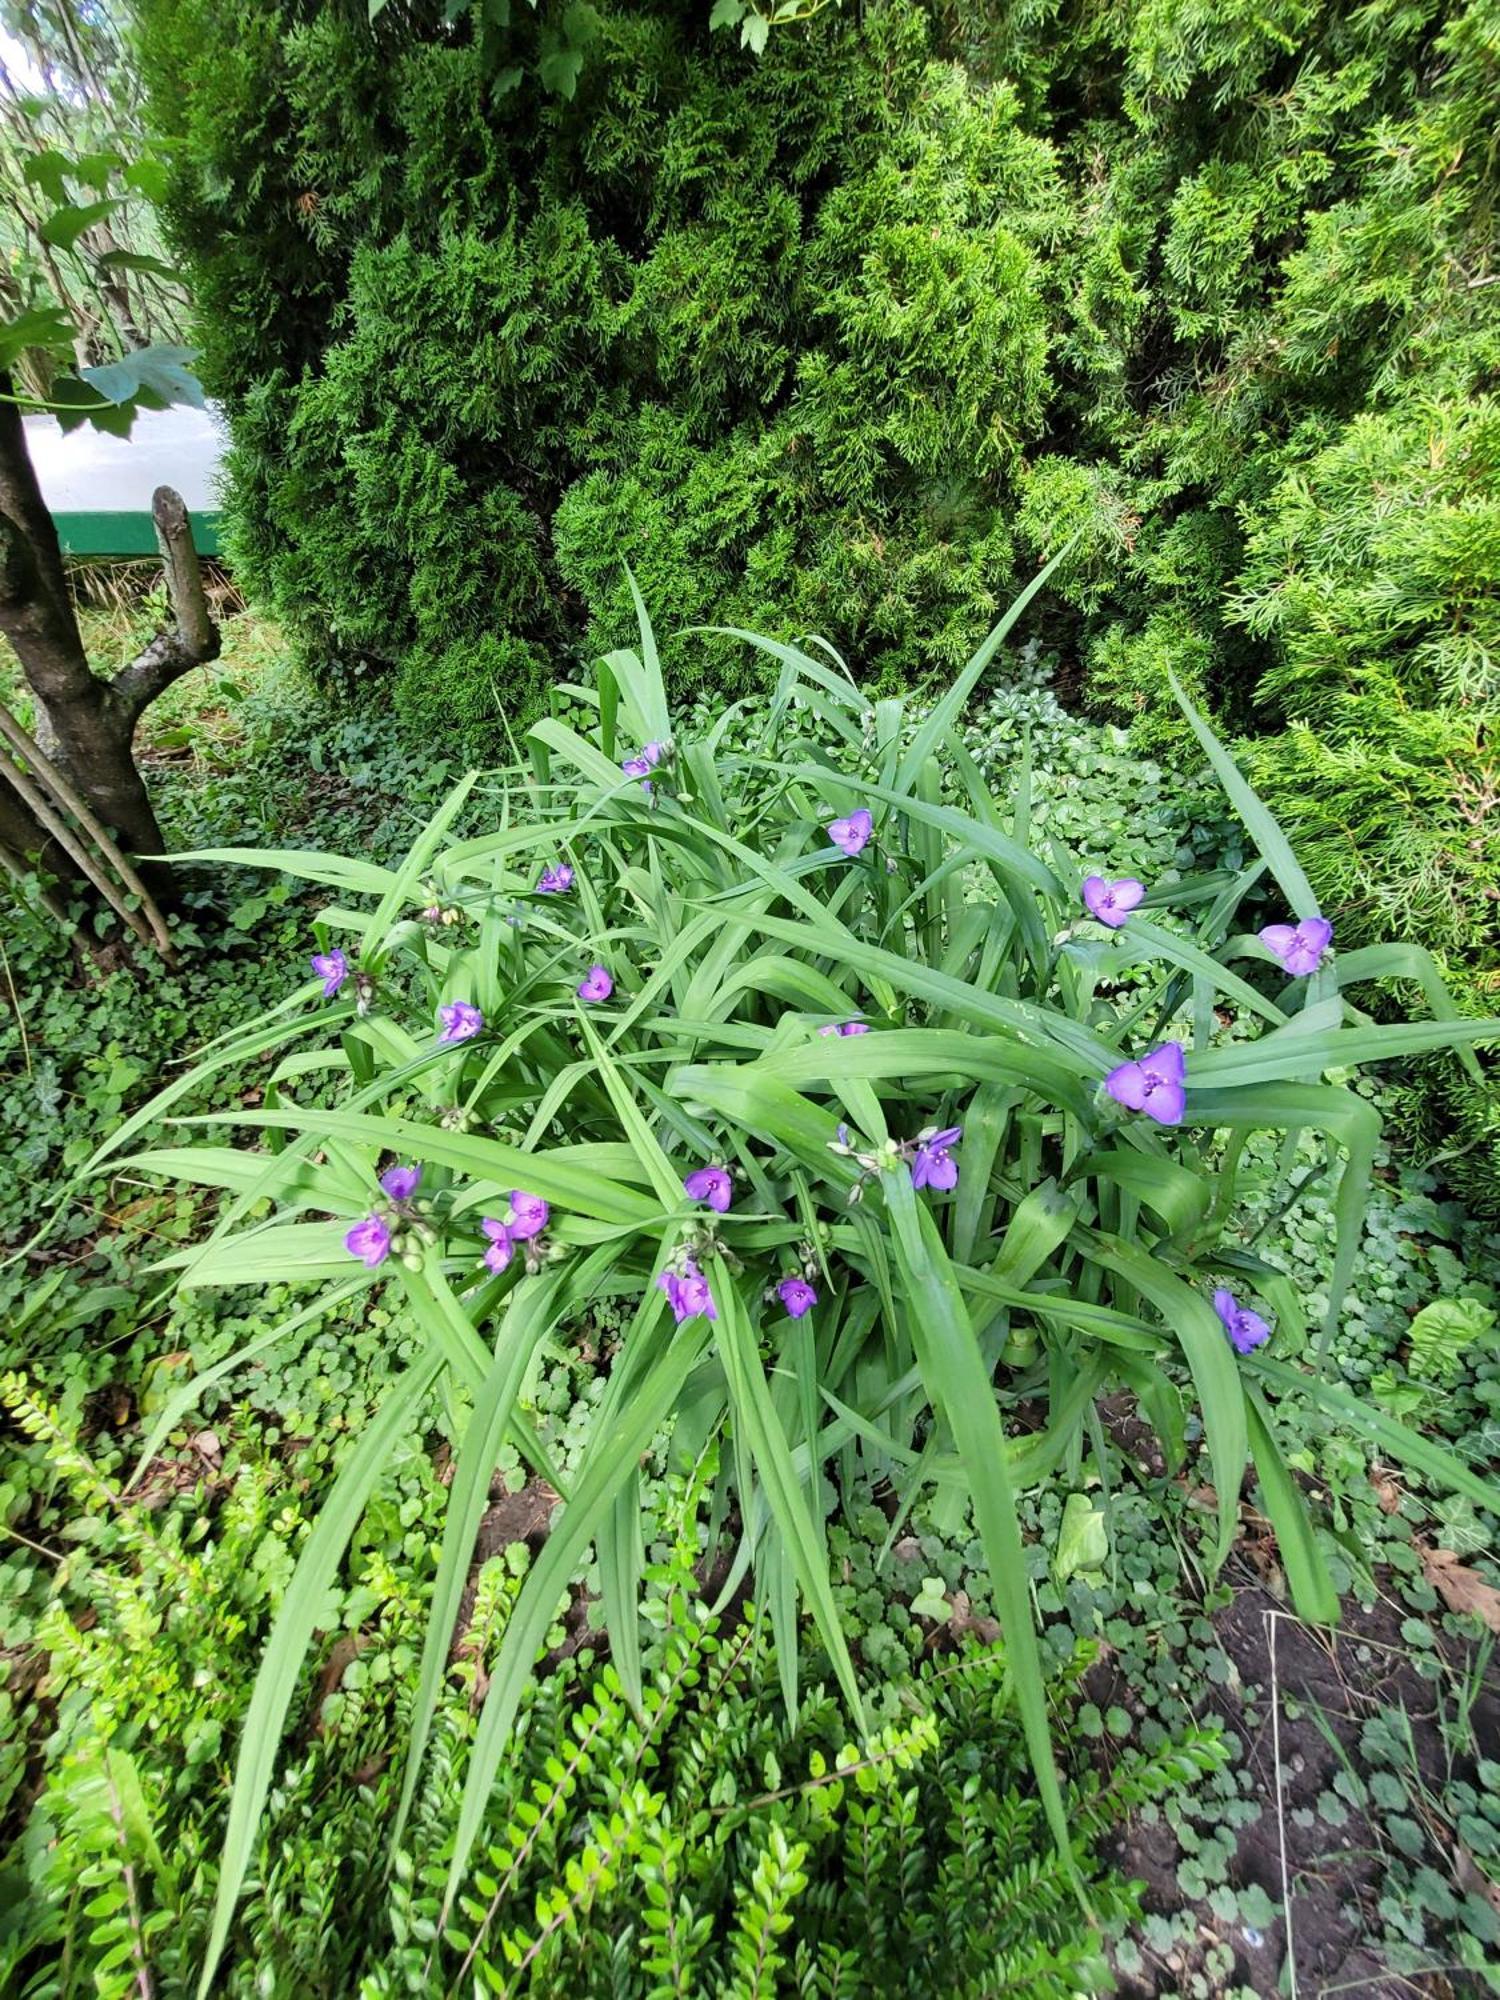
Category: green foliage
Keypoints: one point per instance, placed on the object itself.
(701, 1840)
(1078, 1251)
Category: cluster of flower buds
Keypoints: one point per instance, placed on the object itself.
(436, 911)
(929, 1156)
(398, 1228)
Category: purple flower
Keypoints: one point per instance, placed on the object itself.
(596, 984)
(526, 1215)
(710, 1184)
(459, 1020)
(933, 1166)
(369, 1240)
(845, 1028)
(1300, 947)
(797, 1295)
(642, 766)
(687, 1293)
(1246, 1329)
(555, 880)
(332, 968)
(1154, 1084)
(501, 1248)
(1111, 902)
(852, 834)
(401, 1183)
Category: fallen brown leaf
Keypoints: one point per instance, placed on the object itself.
(1472, 1879)
(1461, 1589)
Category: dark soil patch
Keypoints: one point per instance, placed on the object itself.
(1330, 1878)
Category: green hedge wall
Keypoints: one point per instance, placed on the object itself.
(845, 338)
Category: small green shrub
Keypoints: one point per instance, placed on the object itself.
(703, 1135)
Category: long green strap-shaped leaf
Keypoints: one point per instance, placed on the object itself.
(1284, 1055)
(1312, 1586)
(960, 1387)
(404, 883)
(1221, 1394)
(1259, 822)
(1349, 1119)
(286, 1648)
(951, 707)
(526, 1321)
(622, 1431)
(1394, 1438)
(755, 1412)
(550, 1174)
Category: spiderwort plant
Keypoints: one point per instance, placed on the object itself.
(1024, 1151)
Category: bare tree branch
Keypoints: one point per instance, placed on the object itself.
(196, 637)
(56, 783)
(36, 802)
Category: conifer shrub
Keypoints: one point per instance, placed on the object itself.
(774, 334)
(845, 337)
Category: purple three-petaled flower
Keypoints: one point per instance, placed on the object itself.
(797, 1295)
(687, 1292)
(643, 765)
(401, 1183)
(934, 1165)
(1246, 1329)
(845, 1028)
(332, 968)
(1300, 947)
(596, 984)
(369, 1240)
(711, 1185)
(501, 1246)
(1111, 902)
(459, 1021)
(852, 834)
(1154, 1085)
(555, 880)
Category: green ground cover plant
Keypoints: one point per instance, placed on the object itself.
(715, 1034)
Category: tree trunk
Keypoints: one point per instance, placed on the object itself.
(87, 725)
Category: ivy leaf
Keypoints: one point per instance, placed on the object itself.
(64, 226)
(157, 376)
(94, 169)
(47, 327)
(726, 14)
(755, 33)
(148, 177)
(559, 71)
(49, 172)
(76, 402)
(137, 260)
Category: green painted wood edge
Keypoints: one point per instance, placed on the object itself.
(127, 534)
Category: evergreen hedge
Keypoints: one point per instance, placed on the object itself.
(848, 336)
